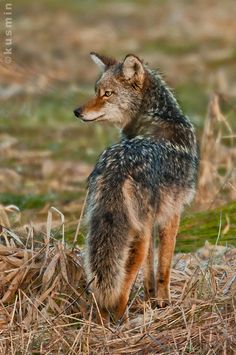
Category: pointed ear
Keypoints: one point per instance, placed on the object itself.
(133, 68)
(102, 61)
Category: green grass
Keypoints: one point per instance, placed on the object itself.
(198, 227)
(30, 201)
(37, 201)
(168, 47)
(193, 98)
(195, 229)
(46, 122)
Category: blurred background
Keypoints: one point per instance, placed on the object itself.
(46, 72)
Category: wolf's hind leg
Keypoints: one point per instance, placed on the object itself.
(149, 275)
(137, 254)
(167, 237)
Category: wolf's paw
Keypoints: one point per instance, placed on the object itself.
(162, 303)
(163, 297)
(159, 302)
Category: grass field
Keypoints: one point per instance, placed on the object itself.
(46, 156)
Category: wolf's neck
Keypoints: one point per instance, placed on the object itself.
(159, 102)
(160, 116)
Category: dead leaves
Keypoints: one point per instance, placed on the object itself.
(50, 270)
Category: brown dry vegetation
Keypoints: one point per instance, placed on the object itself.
(213, 185)
(45, 306)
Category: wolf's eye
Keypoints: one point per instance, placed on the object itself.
(108, 93)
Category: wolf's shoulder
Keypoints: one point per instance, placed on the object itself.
(134, 149)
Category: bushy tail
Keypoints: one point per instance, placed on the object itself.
(107, 245)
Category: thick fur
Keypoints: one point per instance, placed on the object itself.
(148, 176)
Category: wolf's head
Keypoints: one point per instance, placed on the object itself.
(118, 91)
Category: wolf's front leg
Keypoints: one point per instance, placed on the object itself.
(167, 237)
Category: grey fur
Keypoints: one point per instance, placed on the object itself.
(157, 154)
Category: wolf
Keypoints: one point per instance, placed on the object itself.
(143, 180)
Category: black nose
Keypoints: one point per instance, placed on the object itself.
(78, 112)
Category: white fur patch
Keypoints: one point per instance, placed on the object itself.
(131, 207)
(172, 203)
(92, 115)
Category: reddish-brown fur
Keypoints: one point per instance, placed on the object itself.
(95, 104)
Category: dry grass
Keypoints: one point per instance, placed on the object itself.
(217, 177)
(45, 307)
